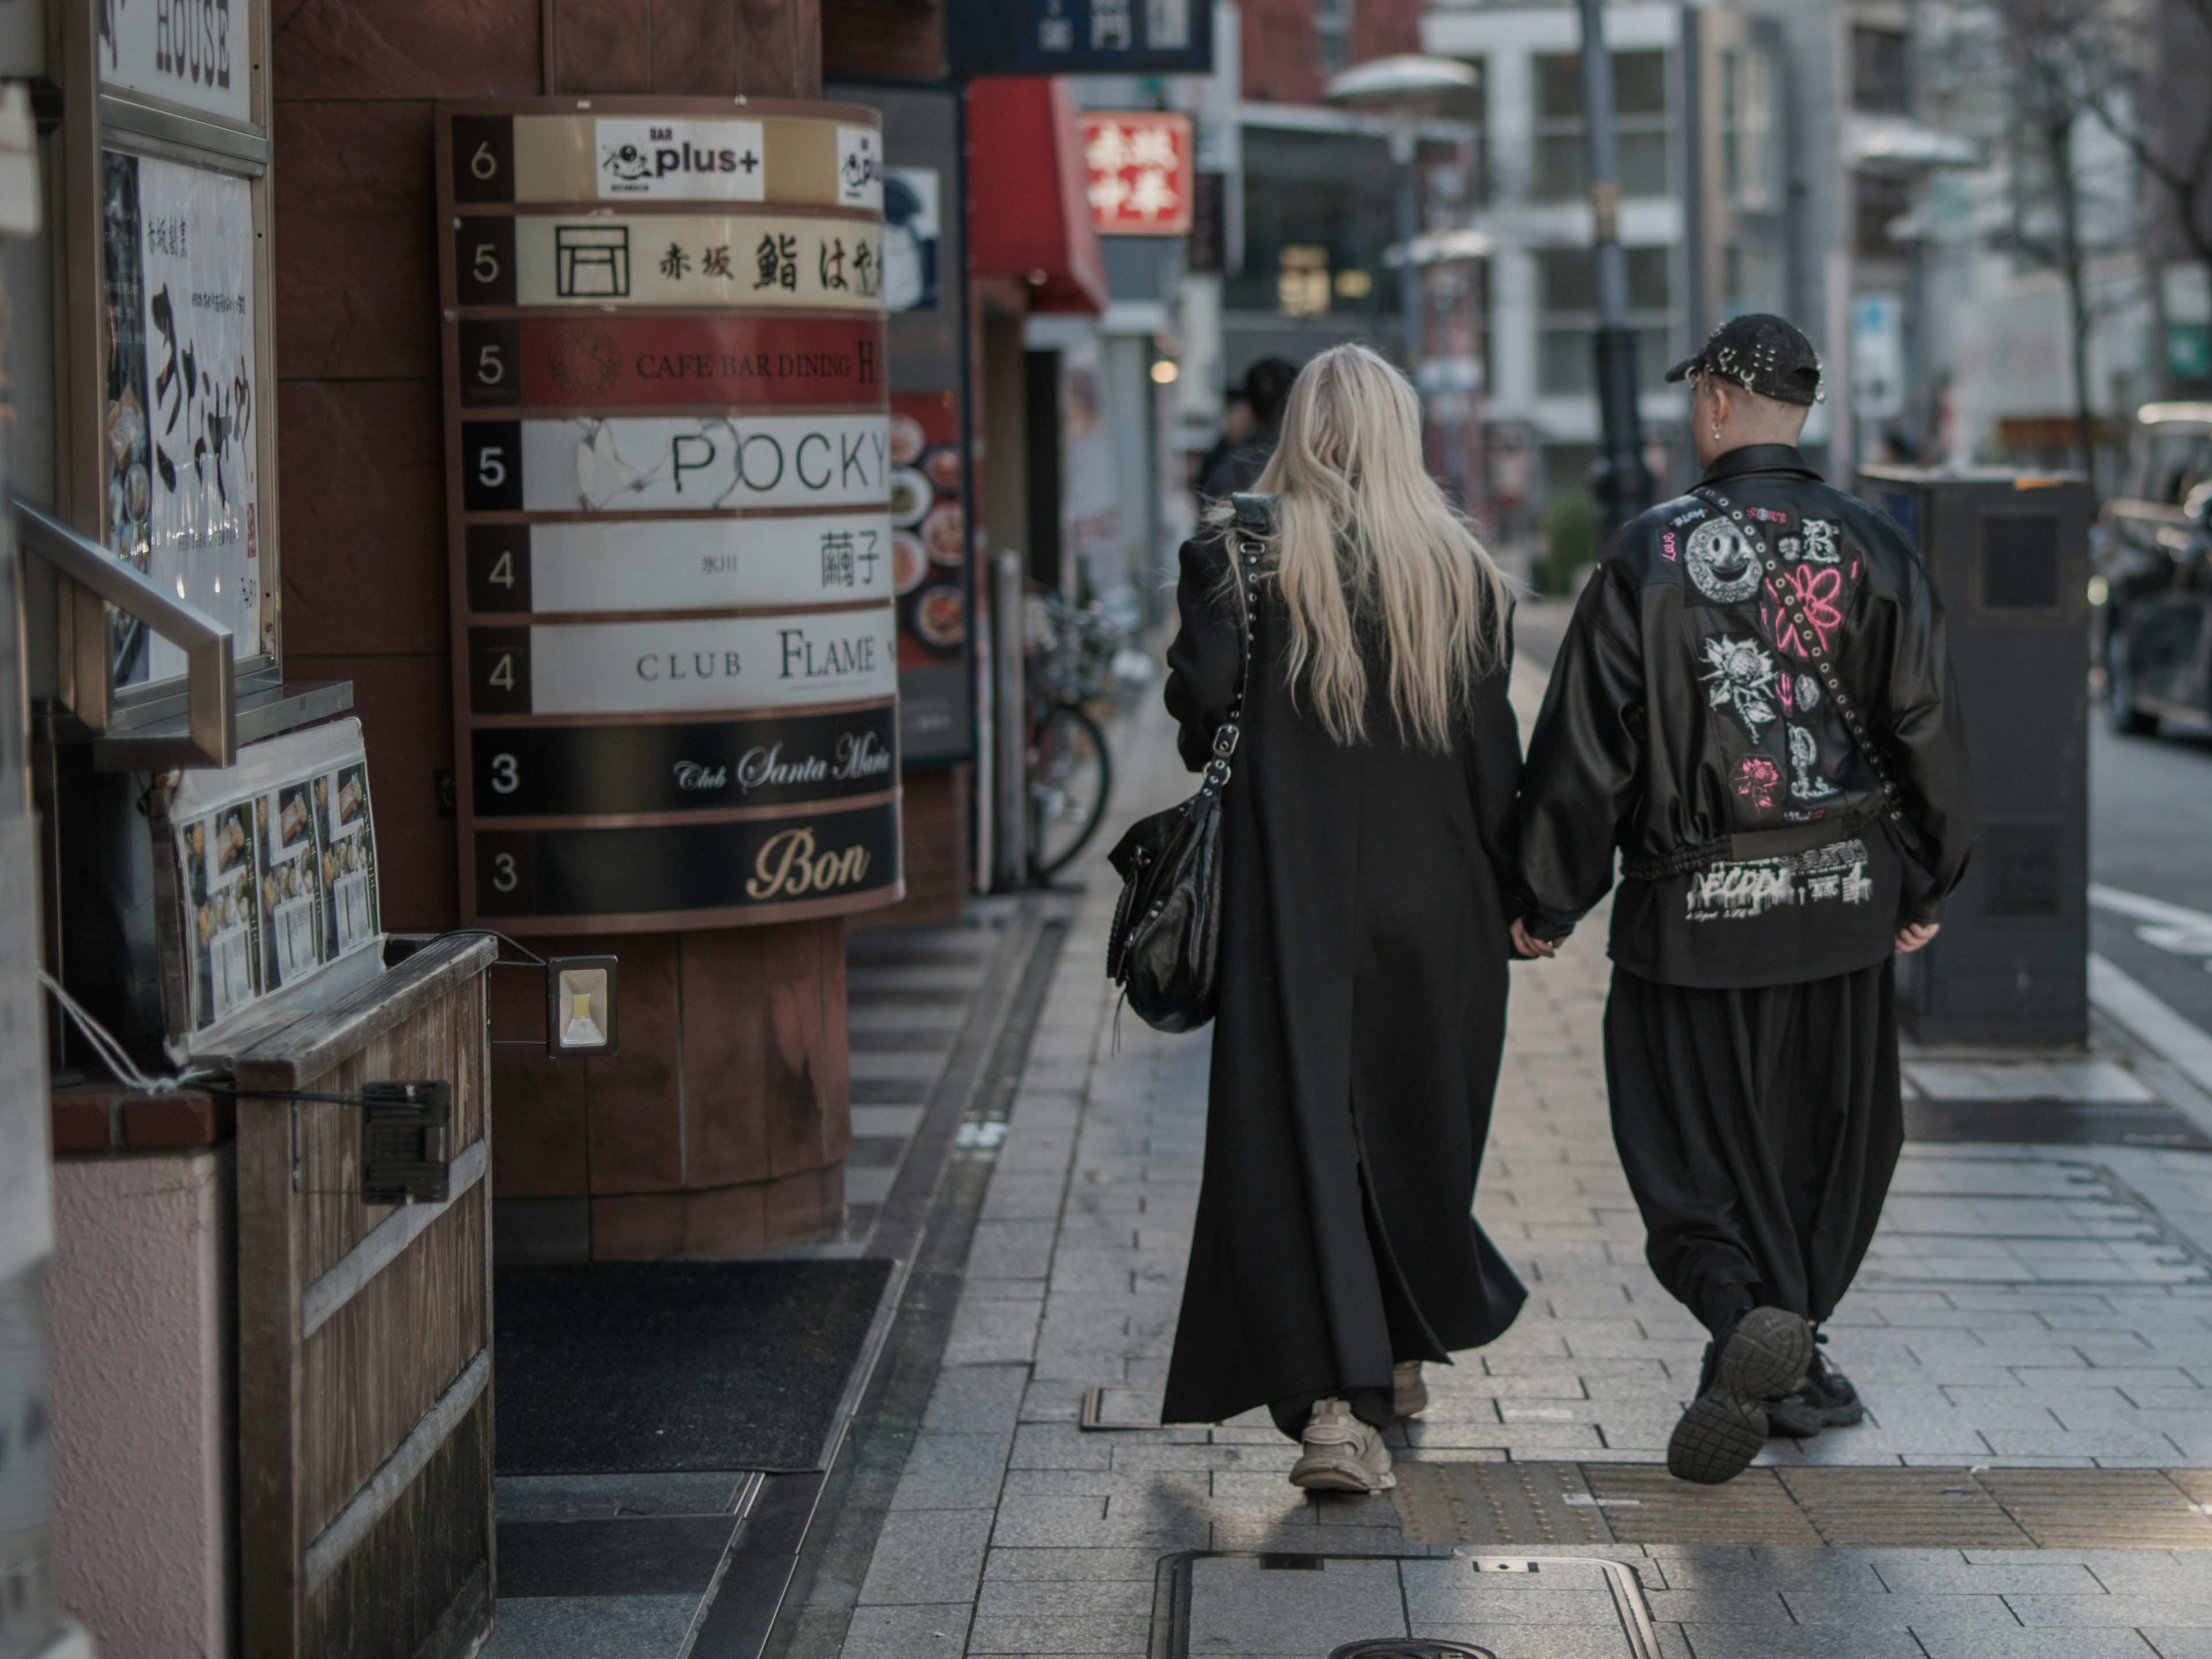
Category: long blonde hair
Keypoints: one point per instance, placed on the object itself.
(1366, 547)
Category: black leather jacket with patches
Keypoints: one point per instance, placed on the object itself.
(1689, 724)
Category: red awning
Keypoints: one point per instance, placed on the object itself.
(1029, 203)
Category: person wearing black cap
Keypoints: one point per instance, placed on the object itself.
(1267, 390)
(1754, 704)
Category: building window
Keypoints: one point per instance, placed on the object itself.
(1878, 200)
(1320, 208)
(1881, 82)
(1748, 147)
(1450, 186)
(1332, 33)
(1566, 301)
(1747, 279)
(1639, 92)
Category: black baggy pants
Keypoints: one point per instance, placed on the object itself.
(1759, 1130)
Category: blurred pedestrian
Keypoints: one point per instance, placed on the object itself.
(1367, 856)
(1267, 386)
(1755, 705)
(1236, 428)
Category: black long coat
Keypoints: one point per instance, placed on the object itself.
(1356, 1049)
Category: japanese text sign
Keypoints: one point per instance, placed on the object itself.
(1139, 163)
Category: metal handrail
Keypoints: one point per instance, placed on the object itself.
(211, 694)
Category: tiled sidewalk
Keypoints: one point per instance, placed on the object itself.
(2024, 1305)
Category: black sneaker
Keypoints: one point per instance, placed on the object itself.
(1763, 1357)
(1825, 1399)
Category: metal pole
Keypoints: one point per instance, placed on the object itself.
(1621, 481)
(1010, 717)
(1409, 274)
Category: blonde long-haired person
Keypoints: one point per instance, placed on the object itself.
(1368, 857)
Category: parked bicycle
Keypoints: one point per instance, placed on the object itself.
(1076, 658)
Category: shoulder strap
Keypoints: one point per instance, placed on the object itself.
(1786, 595)
(1255, 521)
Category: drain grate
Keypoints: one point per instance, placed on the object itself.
(1464, 1605)
(2054, 1122)
(1528, 1504)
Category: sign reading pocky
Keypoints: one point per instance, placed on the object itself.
(677, 464)
(670, 496)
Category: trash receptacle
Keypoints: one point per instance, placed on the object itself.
(2010, 554)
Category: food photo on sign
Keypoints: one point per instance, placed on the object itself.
(929, 533)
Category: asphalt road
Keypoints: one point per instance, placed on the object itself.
(2150, 835)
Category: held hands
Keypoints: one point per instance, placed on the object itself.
(1527, 945)
(1913, 935)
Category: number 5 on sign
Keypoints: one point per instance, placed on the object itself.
(490, 359)
(483, 262)
(491, 466)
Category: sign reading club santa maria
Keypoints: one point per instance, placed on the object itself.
(669, 503)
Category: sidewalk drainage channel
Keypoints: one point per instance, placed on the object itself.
(1531, 1504)
(1456, 1604)
(933, 1215)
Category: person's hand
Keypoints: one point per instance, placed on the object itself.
(1914, 934)
(1526, 943)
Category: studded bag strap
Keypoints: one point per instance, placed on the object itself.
(1786, 595)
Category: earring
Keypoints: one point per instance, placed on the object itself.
(1717, 432)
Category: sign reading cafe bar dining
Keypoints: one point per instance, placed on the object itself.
(669, 494)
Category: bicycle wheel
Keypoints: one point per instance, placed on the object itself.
(1070, 774)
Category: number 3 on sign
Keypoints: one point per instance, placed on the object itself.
(506, 874)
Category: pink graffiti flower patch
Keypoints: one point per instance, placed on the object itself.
(1757, 778)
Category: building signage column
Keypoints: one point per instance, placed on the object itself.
(669, 492)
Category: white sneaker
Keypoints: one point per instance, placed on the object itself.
(1339, 1453)
(1409, 1395)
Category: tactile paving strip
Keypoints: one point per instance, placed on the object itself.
(1527, 1504)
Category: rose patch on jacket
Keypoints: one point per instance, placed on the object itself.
(1835, 873)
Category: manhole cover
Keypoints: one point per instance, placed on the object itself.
(1460, 1605)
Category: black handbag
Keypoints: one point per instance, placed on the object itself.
(1166, 949)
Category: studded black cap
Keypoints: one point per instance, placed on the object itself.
(1761, 353)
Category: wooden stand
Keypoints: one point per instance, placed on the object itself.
(365, 1421)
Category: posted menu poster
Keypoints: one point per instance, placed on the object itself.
(348, 850)
(929, 568)
(291, 887)
(274, 871)
(226, 959)
(181, 427)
